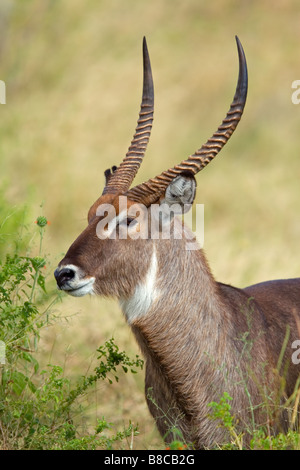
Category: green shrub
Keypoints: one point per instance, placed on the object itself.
(37, 407)
(261, 439)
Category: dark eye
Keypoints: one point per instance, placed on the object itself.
(130, 220)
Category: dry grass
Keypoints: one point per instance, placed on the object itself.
(73, 76)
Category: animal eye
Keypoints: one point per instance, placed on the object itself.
(130, 221)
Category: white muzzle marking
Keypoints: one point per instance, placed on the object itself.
(79, 285)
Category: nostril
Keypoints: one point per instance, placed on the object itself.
(63, 275)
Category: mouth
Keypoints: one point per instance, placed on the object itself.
(81, 289)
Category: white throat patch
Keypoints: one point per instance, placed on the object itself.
(144, 294)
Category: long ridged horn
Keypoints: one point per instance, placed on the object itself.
(150, 191)
(121, 179)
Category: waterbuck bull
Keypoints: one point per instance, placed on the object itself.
(199, 337)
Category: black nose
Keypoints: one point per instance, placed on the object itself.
(63, 275)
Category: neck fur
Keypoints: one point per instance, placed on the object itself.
(144, 295)
(177, 297)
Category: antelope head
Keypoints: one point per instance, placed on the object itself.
(108, 258)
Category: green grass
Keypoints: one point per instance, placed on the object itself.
(73, 73)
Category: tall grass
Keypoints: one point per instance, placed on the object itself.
(73, 77)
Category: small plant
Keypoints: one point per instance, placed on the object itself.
(178, 442)
(112, 357)
(263, 441)
(261, 438)
(177, 445)
(22, 290)
(222, 411)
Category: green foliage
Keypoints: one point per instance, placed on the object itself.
(41, 416)
(261, 437)
(221, 411)
(177, 445)
(263, 441)
(13, 234)
(112, 358)
(178, 442)
(37, 407)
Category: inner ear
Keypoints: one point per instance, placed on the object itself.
(182, 190)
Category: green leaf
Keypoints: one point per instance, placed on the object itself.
(19, 382)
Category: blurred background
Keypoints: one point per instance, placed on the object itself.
(73, 74)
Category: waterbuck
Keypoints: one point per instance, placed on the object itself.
(200, 338)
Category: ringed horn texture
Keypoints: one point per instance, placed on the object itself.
(121, 178)
(150, 191)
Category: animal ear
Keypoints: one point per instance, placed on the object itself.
(181, 191)
(109, 173)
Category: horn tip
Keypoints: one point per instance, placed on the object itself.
(145, 48)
